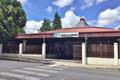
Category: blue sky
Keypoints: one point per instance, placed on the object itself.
(101, 13)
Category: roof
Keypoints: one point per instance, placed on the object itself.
(91, 31)
(81, 27)
(81, 30)
(82, 23)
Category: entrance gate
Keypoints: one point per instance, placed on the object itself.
(65, 49)
(70, 50)
(77, 52)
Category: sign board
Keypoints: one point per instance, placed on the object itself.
(59, 35)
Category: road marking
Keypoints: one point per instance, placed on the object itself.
(2, 79)
(30, 78)
(23, 71)
(31, 72)
(13, 75)
(48, 67)
(42, 70)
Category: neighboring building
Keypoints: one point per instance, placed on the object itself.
(92, 45)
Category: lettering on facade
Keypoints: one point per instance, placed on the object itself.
(66, 35)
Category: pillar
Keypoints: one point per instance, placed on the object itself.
(20, 48)
(84, 58)
(0, 49)
(116, 54)
(44, 50)
(24, 45)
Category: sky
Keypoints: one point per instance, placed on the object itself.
(99, 13)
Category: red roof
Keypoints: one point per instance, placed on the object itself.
(80, 30)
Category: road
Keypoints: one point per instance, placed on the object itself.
(16, 70)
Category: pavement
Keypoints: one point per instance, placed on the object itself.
(17, 70)
(72, 63)
(65, 63)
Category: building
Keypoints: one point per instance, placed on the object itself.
(91, 45)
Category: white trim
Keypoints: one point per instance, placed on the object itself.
(116, 54)
(84, 59)
(0, 49)
(20, 48)
(44, 50)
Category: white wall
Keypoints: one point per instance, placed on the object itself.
(23, 56)
(101, 61)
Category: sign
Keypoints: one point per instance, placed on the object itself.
(66, 35)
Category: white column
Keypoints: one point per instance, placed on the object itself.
(84, 58)
(0, 49)
(116, 54)
(24, 45)
(44, 50)
(20, 48)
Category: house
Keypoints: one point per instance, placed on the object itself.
(91, 45)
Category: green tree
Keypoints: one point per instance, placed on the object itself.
(46, 25)
(57, 22)
(12, 19)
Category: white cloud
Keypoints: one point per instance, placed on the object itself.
(92, 22)
(22, 1)
(100, 1)
(73, 8)
(49, 9)
(62, 3)
(108, 16)
(118, 27)
(70, 19)
(89, 3)
(33, 26)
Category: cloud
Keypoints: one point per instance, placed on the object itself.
(92, 22)
(70, 19)
(108, 16)
(22, 1)
(73, 8)
(33, 26)
(100, 1)
(62, 3)
(49, 9)
(118, 27)
(89, 3)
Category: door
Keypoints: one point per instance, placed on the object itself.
(77, 52)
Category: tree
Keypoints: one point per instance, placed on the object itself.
(12, 19)
(57, 22)
(45, 25)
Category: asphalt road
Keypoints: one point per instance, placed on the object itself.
(16, 70)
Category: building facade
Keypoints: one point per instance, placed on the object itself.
(91, 45)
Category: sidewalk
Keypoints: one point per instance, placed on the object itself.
(71, 63)
(64, 63)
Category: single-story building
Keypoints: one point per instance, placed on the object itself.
(91, 45)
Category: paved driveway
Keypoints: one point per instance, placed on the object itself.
(15, 70)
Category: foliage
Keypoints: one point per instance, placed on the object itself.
(57, 22)
(46, 25)
(12, 19)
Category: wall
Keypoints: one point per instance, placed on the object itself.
(100, 61)
(22, 56)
